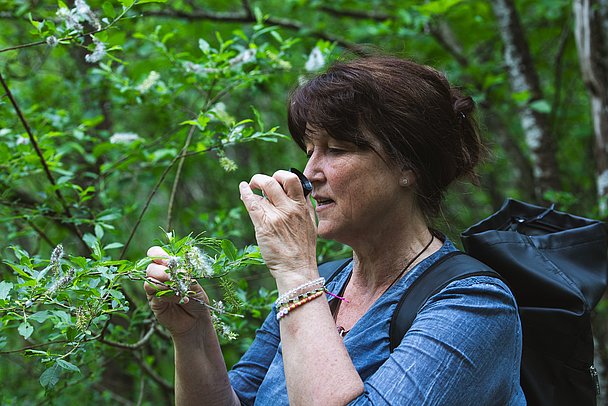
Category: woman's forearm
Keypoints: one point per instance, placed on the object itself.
(200, 370)
(318, 368)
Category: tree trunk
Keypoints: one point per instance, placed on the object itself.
(591, 33)
(524, 79)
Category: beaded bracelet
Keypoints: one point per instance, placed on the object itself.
(283, 312)
(301, 296)
(285, 297)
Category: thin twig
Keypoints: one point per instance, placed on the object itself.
(442, 34)
(43, 162)
(40, 345)
(155, 189)
(557, 82)
(178, 173)
(142, 385)
(147, 204)
(245, 18)
(133, 346)
(247, 8)
(356, 14)
(41, 233)
(153, 374)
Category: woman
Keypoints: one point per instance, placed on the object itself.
(385, 137)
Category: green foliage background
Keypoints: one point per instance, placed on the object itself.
(200, 89)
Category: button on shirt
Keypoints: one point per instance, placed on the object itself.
(464, 348)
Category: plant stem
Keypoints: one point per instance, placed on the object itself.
(147, 204)
(127, 346)
(177, 177)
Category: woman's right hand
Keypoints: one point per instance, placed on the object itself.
(179, 319)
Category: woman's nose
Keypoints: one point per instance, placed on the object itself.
(314, 169)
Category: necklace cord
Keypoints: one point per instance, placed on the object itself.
(410, 263)
(341, 329)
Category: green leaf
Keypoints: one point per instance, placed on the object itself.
(108, 9)
(437, 6)
(41, 316)
(19, 269)
(25, 329)
(164, 292)
(151, 1)
(50, 377)
(542, 106)
(113, 246)
(127, 3)
(521, 97)
(229, 250)
(79, 261)
(67, 365)
(98, 231)
(5, 288)
(89, 239)
(204, 46)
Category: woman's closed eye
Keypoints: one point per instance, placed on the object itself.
(335, 151)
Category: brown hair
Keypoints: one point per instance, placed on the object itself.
(421, 122)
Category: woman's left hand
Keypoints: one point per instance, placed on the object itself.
(284, 224)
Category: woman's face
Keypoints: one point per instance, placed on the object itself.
(357, 193)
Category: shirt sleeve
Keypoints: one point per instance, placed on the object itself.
(464, 348)
(247, 374)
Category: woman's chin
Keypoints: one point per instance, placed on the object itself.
(328, 231)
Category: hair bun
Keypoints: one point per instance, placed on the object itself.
(463, 105)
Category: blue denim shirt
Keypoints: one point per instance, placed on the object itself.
(464, 348)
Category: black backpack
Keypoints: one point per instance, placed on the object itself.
(556, 266)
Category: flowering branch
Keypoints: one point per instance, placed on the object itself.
(68, 37)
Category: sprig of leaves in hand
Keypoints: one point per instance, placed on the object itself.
(188, 264)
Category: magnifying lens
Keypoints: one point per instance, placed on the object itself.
(306, 185)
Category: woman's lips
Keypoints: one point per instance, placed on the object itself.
(323, 203)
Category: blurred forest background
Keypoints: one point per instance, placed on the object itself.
(122, 117)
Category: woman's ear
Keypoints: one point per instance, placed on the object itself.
(408, 178)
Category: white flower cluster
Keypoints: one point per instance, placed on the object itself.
(55, 269)
(98, 53)
(315, 61)
(56, 255)
(173, 262)
(52, 41)
(228, 164)
(74, 17)
(198, 69)
(247, 55)
(222, 329)
(123, 138)
(148, 82)
(200, 263)
(61, 282)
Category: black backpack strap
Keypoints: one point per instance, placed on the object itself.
(330, 269)
(451, 267)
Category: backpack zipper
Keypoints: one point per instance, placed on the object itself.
(596, 379)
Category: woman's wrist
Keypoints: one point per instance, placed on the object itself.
(287, 281)
(193, 336)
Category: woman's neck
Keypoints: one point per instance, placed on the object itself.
(379, 261)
